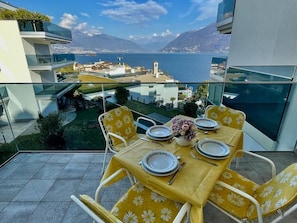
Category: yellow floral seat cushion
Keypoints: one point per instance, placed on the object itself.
(121, 122)
(226, 116)
(229, 200)
(143, 205)
(275, 194)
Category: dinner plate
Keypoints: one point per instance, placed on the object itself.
(213, 149)
(159, 138)
(208, 129)
(206, 123)
(159, 174)
(159, 131)
(160, 161)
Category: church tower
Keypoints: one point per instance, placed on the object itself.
(156, 69)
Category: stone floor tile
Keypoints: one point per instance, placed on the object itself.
(34, 190)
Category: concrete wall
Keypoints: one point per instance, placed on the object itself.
(264, 33)
(13, 63)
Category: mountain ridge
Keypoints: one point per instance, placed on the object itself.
(207, 39)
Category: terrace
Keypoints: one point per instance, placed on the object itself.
(36, 187)
(37, 181)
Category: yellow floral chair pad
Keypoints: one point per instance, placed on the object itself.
(278, 193)
(230, 201)
(144, 205)
(226, 116)
(121, 122)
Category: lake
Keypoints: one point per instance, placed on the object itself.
(187, 68)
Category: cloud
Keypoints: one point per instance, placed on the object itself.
(167, 35)
(68, 20)
(85, 14)
(205, 9)
(131, 12)
(81, 26)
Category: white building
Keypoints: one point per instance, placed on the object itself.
(264, 38)
(26, 57)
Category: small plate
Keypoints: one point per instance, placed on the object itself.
(213, 149)
(160, 161)
(205, 123)
(159, 131)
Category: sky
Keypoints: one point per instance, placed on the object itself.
(137, 20)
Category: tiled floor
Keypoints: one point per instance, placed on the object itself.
(36, 187)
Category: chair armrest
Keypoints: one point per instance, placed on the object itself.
(185, 210)
(116, 136)
(273, 169)
(87, 209)
(108, 181)
(247, 196)
(144, 118)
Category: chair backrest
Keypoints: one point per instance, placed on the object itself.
(119, 121)
(226, 116)
(279, 192)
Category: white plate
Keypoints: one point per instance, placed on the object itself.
(160, 161)
(213, 149)
(158, 138)
(159, 174)
(208, 129)
(159, 131)
(205, 123)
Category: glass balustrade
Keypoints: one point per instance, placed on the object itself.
(264, 97)
(225, 10)
(50, 59)
(43, 26)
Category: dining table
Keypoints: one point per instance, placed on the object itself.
(195, 180)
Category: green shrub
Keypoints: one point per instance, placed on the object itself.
(52, 130)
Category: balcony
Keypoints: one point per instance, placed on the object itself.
(49, 62)
(225, 16)
(45, 30)
(36, 182)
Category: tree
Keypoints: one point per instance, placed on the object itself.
(121, 94)
(202, 91)
(190, 109)
(172, 99)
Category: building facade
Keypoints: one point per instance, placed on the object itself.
(263, 48)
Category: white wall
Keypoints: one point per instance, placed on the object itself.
(264, 33)
(13, 63)
(20, 105)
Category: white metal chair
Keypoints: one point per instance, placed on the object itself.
(246, 201)
(119, 129)
(138, 203)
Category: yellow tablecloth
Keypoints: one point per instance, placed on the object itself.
(197, 178)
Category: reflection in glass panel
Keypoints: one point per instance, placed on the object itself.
(262, 96)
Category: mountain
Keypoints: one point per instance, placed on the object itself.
(207, 39)
(82, 43)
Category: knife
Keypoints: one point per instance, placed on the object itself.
(175, 174)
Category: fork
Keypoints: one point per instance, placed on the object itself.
(199, 158)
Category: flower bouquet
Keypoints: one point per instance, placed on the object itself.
(183, 127)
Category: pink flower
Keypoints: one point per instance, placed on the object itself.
(183, 127)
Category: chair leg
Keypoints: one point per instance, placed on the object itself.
(104, 160)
